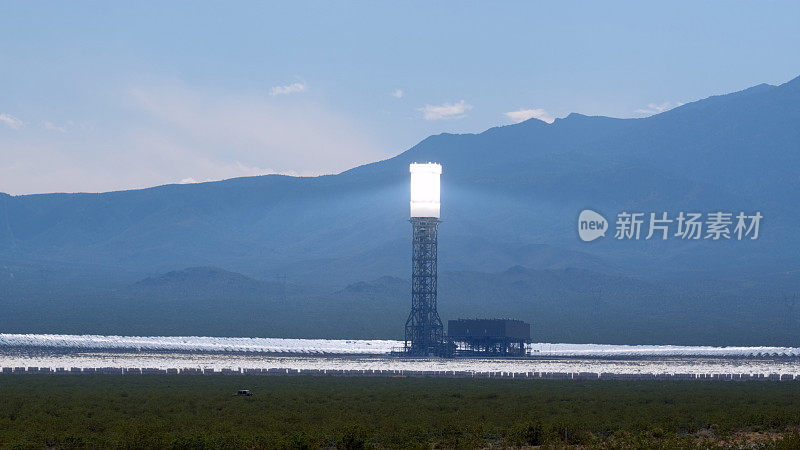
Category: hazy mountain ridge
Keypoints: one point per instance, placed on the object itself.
(510, 197)
(564, 305)
(521, 183)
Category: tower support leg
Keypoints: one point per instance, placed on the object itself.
(424, 329)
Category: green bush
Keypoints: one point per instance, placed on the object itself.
(189, 412)
(528, 433)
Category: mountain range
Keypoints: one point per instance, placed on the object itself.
(511, 196)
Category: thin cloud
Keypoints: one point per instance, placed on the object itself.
(445, 110)
(52, 127)
(248, 135)
(244, 170)
(657, 108)
(179, 133)
(288, 89)
(522, 115)
(397, 93)
(11, 121)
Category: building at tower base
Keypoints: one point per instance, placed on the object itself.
(495, 337)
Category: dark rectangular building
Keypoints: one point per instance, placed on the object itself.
(489, 336)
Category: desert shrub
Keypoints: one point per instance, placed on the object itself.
(354, 437)
(155, 411)
(527, 433)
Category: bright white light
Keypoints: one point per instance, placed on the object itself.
(425, 189)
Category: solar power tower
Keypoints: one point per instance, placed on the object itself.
(424, 330)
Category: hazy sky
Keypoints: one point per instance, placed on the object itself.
(97, 96)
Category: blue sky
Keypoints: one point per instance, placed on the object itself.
(97, 96)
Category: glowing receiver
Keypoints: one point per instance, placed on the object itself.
(425, 189)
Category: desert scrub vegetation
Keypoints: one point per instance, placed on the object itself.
(188, 411)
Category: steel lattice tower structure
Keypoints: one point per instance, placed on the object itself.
(424, 329)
